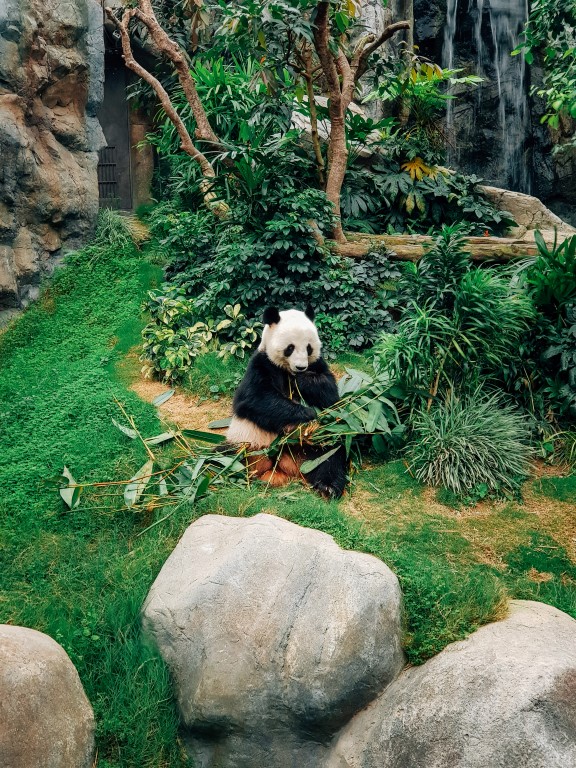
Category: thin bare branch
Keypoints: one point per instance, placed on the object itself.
(385, 35)
(187, 144)
(145, 14)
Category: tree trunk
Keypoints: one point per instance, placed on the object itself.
(412, 247)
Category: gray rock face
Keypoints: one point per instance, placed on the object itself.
(51, 76)
(503, 698)
(275, 637)
(45, 718)
(528, 212)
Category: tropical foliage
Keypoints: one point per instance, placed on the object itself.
(550, 37)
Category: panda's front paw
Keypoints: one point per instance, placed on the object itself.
(309, 414)
(332, 491)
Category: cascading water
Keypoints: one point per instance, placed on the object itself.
(491, 29)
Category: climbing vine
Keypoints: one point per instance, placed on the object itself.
(550, 35)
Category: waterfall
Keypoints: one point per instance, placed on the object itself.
(448, 56)
(493, 33)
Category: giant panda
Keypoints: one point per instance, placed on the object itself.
(286, 380)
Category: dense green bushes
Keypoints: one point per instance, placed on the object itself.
(486, 361)
(274, 259)
(470, 348)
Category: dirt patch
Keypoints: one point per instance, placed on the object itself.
(183, 410)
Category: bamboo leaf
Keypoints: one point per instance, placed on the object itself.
(308, 466)
(198, 490)
(163, 397)
(159, 439)
(220, 424)
(138, 483)
(131, 433)
(374, 413)
(348, 444)
(71, 493)
(204, 437)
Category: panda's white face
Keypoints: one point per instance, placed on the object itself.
(292, 343)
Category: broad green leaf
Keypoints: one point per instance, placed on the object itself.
(158, 439)
(308, 466)
(374, 413)
(131, 433)
(342, 21)
(204, 437)
(220, 424)
(163, 397)
(162, 487)
(71, 493)
(138, 483)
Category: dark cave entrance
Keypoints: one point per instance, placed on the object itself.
(114, 160)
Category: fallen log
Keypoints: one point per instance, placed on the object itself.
(411, 247)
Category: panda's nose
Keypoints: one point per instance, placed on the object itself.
(301, 367)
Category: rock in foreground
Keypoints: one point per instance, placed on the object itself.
(503, 698)
(275, 637)
(45, 718)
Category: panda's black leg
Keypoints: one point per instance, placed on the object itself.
(330, 477)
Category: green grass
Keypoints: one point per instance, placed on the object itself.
(560, 488)
(213, 376)
(81, 575)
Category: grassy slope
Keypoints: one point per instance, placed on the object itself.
(81, 576)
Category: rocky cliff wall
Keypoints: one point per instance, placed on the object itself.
(51, 83)
(503, 143)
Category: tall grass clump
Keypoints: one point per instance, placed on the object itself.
(459, 323)
(465, 442)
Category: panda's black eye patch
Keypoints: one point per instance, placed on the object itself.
(289, 349)
(309, 349)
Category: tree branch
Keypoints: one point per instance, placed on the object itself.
(321, 43)
(187, 145)
(386, 34)
(145, 14)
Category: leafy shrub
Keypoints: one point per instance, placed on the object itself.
(547, 358)
(275, 260)
(552, 275)
(464, 443)
(175, 338)
(406, 194)
(459, 323)
(437, 276)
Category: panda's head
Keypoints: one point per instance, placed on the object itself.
(290, 339)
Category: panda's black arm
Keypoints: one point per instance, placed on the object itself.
(317, 385)
(270, 410)
(259, 398)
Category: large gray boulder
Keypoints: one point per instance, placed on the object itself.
(274, 636)
(503, 698)
(46, 720)
(51, 83)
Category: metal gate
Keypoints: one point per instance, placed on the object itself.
(107, 178)
(114, 167)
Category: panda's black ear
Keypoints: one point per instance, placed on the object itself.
(310, 314)
(271, 316)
